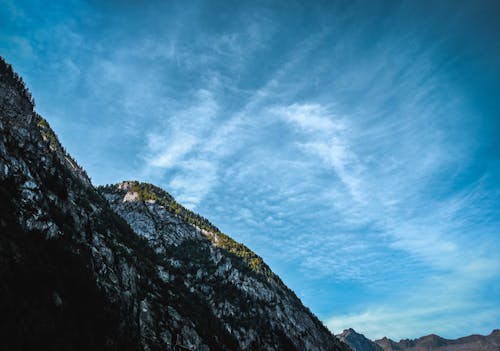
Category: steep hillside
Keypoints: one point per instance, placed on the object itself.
(241, 291)
(76, 276)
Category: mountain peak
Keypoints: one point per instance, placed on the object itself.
(349, 331)
(357, 341)
(134, 191)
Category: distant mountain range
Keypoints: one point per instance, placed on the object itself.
(358, 342)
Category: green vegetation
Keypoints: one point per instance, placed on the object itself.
(150, 192)
(48, 134)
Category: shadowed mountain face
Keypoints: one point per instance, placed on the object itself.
(124, 267)
(434, 342)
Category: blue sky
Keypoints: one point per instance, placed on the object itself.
(354, 145)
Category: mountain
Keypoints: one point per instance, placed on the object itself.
(123, 267)
(358, 342)
(434, 342)
(243, 294)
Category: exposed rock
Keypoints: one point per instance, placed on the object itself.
(254, 307)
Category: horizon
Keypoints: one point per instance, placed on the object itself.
(353, 146)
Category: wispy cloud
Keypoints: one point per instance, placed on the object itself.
(185, 130)
(178, 149)
(325, 140)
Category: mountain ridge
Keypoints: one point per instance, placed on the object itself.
(490, 342)
(155, 220)
(150, 192)
(474, 342)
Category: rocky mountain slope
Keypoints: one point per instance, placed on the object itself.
(436, 343)
(358, 342)
(76, 275)
(250, 302)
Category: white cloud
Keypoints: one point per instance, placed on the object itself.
(199, 134)
(325, 139)
(184, 130)
(193, 181)
(179, 149)
(170, 153)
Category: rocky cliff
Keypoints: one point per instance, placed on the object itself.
(123, 267)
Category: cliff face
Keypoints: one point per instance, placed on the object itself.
(121, 269)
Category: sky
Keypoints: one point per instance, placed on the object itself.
(354, 145)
